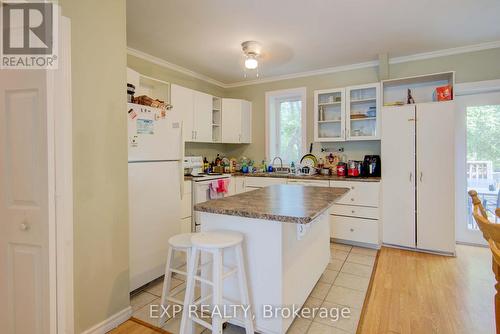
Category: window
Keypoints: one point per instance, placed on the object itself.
(286, 124)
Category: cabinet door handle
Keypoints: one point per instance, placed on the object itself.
(421, 176)
(348, 133)
(411, 176)
(351, 229)
(352, 199)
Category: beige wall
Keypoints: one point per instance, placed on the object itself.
(98, 42)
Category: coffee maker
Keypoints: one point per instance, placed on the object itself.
(371, 166)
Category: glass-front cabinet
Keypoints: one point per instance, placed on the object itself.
(329, 115)
(362, 112)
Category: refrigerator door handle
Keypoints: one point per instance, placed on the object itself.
(181, 167)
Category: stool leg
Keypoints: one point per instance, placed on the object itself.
(167, 280)
(217, 290)
(186, 323)
(242, 282)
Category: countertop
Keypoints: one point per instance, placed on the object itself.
(304, 177)
(285, 203)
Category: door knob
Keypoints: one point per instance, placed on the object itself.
(24, 226)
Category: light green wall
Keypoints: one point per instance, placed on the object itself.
(469, 67)
(474, 66)
(256, 94)
(101, 261)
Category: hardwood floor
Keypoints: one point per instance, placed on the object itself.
(134, 326)
(423, 293)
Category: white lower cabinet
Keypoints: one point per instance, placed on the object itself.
(261, 182)
(239, 184)
(354, 229)
(315, 183)
(186, 207)
(355, 217)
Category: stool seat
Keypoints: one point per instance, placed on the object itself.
(216, 239)
(182, 240)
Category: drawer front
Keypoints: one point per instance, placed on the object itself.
(186, 225)
(186, 205)
(261, 182)
(355, 211)
(316, 183)
(360, 193)
(354, 229)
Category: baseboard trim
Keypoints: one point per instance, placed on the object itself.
(112, 322)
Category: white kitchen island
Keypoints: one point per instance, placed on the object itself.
(286, 246)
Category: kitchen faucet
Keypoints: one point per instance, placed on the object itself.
(281, 162)
(281, 169)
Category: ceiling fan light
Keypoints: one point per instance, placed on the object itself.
(251, 63)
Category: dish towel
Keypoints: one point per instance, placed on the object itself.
(223, 186)
(213, 188)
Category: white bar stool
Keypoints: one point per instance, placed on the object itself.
(215, 243)
(177, 243)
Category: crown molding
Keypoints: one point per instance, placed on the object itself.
(164, 63)
(445, 52)
(335, 69)
(327, 70)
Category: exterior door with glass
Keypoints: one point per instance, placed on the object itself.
(478, 160)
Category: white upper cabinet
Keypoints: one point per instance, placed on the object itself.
(329, 115)
(362, 112)
(246, 122)
(202, 117)
(195, 110)
(236, 121)
(182, 100)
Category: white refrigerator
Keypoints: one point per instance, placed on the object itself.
(154, 184)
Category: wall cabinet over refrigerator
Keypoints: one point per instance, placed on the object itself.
(418, 176)
(236, 121)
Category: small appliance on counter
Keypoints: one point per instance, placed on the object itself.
(341, 169)
(371, 166)
(193, 165)
(354, 168)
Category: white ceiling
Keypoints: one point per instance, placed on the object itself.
(204, 36)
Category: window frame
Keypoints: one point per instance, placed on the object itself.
(279, 96)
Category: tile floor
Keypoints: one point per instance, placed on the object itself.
(343, 284)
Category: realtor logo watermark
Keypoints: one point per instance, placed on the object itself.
(29, 38)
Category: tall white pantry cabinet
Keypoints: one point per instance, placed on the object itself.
(418, 153)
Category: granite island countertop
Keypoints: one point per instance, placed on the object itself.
(285, 203)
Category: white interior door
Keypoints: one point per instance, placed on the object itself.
(25, 301)
(436, 176)
(475, 149)
(203, 117)
(398, 175)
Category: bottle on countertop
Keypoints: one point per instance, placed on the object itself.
(264, 166)
(292, 167)
(218, 160)
(205, 165)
